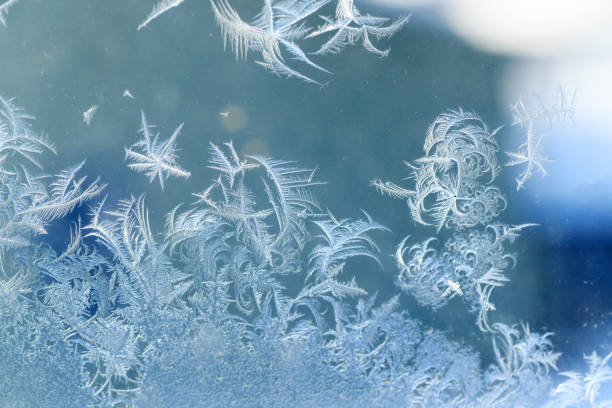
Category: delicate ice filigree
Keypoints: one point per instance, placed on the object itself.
(452, 181)
(4, 7)
(159, 9)
(156, 158)
(530, 152)
(350, 27)
(277, 26)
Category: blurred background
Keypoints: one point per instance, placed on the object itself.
(60, 58)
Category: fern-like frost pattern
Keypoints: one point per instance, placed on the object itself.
(203, 314)
(155, 158)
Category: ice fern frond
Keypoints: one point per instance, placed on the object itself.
(563, 108)
(15, 286)
(287, 190)
(16, 138)
(530, 152)
(4, 7)
(111, 346)
(350, 27)
(391, 189)
(13, 119)
(241, 36)
(75, 242)
(516, 351)
(277, 27)
(332, 287)
(584, 390)
(156, 158)
(146, 276)
(521, 356)
(191, 224)
(159, 9)
(452, 179)
(67, 192)
(229, 165)
(343, 240)
(290, 12)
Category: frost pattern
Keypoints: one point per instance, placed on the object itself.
(275, 31)
(249, 297)
(4, 8)
(280, 25)
(159, 9)
(530, 152)
(156, 158)
(584, 390)
(469, 266)
(349, 27)
(453, 189)
(452, 181)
